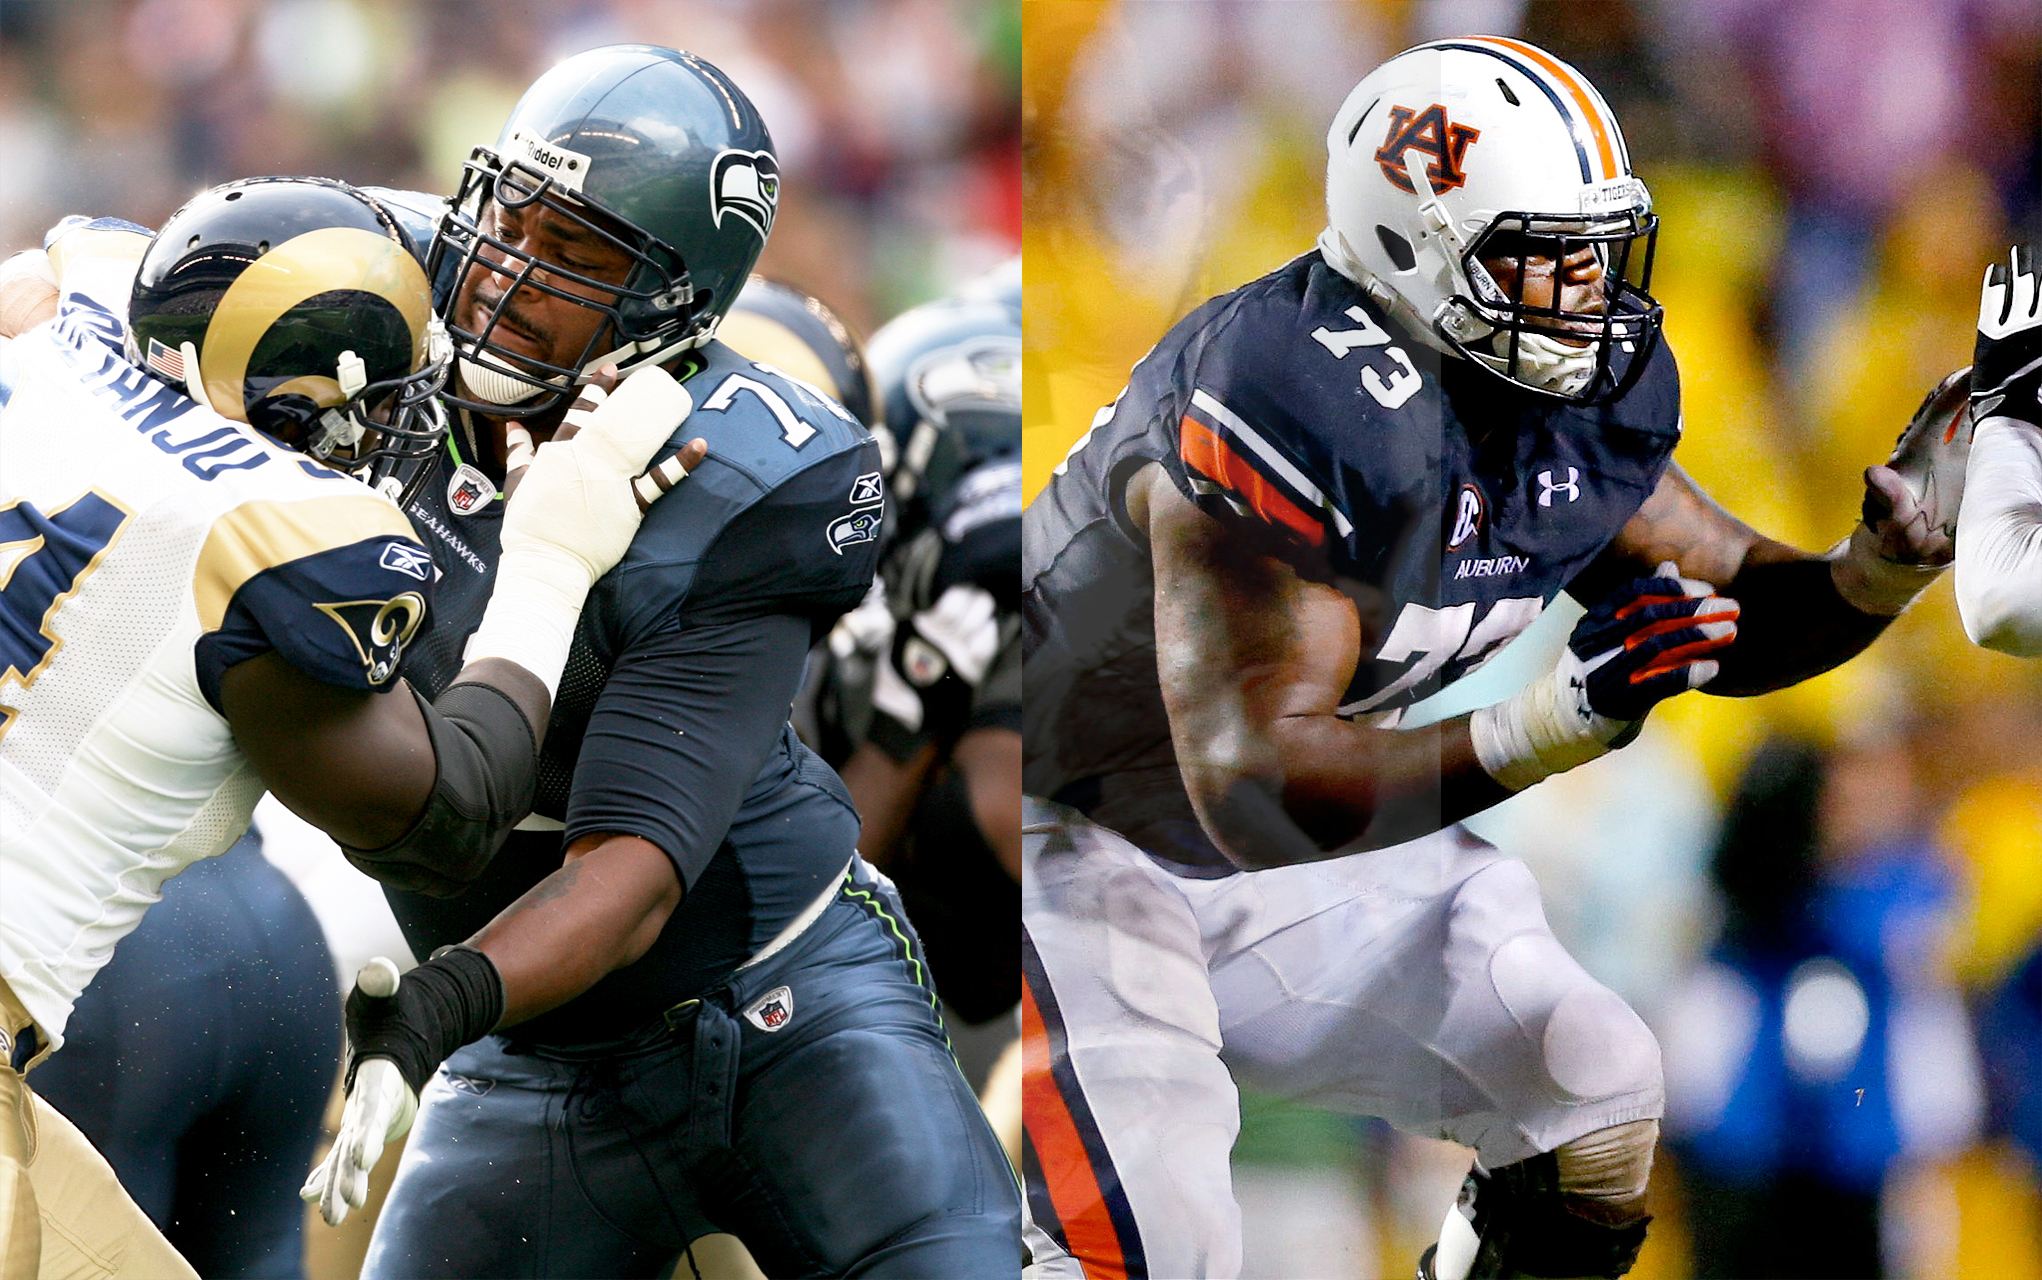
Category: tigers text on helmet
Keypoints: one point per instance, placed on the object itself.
(799, 335)
(298, 306)
(643, 149)
(1483, 147)
(949, 379)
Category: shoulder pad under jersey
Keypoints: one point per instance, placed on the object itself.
(1305, 406)
(336, 583)
(790, 495)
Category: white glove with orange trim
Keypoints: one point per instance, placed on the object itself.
(1649, 640)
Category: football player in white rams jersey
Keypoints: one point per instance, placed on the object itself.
(199, 601)
(1999, 547)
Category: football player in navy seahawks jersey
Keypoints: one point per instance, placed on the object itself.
(1321, 498)
(693, 962)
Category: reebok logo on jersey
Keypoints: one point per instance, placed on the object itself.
(867, 488)
(409, 561)
(771, 1011)
(1492, 567)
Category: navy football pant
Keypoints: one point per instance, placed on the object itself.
(844, 1142)
(200, 1060)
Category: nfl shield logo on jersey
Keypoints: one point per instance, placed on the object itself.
(771, 1011)
(468, 489)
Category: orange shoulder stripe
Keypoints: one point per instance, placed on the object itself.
(1205, 452)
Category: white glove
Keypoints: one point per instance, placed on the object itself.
(960, 626)
(379, 1110)
(572, 518)
(1650, 640)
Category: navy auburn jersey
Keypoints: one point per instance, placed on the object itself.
(1449, 505)
(671, 719)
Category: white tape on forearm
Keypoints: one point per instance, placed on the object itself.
(532, 614)
(1532, 736)
(1869, 582)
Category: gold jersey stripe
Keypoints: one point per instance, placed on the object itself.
(116, 246)
(262, 535)
(300, 268)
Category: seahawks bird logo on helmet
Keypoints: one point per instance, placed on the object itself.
(651, 157)
(298, 306)
(746, 184)
(949, 376)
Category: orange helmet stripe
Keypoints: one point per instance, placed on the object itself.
(1583, 96)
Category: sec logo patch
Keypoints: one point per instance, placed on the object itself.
(1467, 517)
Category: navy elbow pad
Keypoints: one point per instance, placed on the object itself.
(487, 760)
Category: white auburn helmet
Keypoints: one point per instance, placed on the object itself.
(1485, 147)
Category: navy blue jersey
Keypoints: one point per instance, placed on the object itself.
(670, 721)
(1449, 505)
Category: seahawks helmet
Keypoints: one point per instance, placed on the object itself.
(648, 150)
(949, 378)
(797, 334)
(298, 306)
(1001, 284)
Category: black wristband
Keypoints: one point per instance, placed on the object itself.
(451, 1000)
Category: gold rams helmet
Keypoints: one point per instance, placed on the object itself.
(298, 306)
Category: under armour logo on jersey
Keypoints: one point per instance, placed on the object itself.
(1571, 486)
(771, 1011)
(1467, 517)
(409, 561)
(1431, 132)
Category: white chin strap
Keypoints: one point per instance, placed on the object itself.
(1546, 363)
(491, 385)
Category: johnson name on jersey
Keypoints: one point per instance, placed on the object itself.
(146, 545)
(1450, 506)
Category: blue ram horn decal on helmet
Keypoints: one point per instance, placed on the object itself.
(747, 184)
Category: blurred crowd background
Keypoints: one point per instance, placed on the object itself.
(894, 119)
(1827, 901)
(899, 143)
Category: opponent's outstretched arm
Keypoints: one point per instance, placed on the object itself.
(1255, 649)
(420, 794)
(1999, 544)
(1802, 613)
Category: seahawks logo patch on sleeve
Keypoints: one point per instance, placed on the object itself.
(859, 526)
(379, 630)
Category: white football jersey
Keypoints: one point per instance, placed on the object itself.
(146, 544)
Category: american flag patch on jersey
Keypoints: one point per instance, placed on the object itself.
(165, 361)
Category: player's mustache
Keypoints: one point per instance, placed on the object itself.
(504, 309)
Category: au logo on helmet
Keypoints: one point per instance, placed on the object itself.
(747, 185)
(1431, 132)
